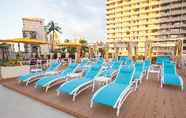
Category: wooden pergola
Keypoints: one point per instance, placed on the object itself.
(175, 43)
(25, 41)
(78, 46)
(31, 41)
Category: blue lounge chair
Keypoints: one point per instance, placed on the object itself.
(49, 81)
(161, 59)
(147, 64)
(113, 67)
(124, 59)
(109, 72)
(76, 86)
(82, 68)
(115, 93)
(129, 62)
(169, 76)
(33, 76)
(83, 63)
(138, 74)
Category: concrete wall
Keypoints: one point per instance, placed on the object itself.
(13, 71)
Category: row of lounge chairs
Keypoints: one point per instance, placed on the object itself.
(128, 76)
(33, 76)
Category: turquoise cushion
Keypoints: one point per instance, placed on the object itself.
(147, 64)
(125, 75)
(109, 95)
(49, 79)
(171, 79)
(71, 85)
(27, 76)
(138, 70)
(53, 66)
(169, 68)
(44, 81)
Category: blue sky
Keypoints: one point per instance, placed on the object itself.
(77, 17)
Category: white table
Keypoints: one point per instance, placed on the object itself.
(103, 80)
(36, 70)
(75, 75)
(51, 72)
(156, 69)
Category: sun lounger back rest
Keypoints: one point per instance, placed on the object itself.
(139, 66)
(125, 75)
(169, 69)
(109, 72)
(92, 72)
(53, 66)
(68, 69)
(147, 64)
(161, 59)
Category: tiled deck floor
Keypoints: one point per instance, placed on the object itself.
(149, 101)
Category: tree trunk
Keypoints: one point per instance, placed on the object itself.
(52, 41)
(3, 55)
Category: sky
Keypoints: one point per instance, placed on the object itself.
(78, 18)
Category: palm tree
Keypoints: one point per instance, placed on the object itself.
(52, 28)
(83, 41)
(66, 41)
(84, 48)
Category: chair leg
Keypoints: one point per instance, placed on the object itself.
(136, 85)
(74, 98)
(27, 83)
(91, 104)
(58, 93)
(182, 88)
(140, 81)
(93, 86)
(19, 81)
(118, 111)
(161, 85)
(147, 76)
(46, 90)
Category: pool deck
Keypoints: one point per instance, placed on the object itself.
(15, 105)
(149, 101)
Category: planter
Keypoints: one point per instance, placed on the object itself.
(13, 71)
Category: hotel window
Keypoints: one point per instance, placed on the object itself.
(146, 8)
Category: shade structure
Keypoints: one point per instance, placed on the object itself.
(72, 45)
(25, 41)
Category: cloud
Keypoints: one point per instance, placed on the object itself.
(77, 17)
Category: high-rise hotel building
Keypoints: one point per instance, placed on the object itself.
(140, 21)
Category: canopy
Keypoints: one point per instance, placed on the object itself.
(4, 45)
(72, 45)
(25, 41)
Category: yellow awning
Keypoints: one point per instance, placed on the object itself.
(24, 40)
(72, 45)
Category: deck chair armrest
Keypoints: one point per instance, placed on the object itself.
(181, 79)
